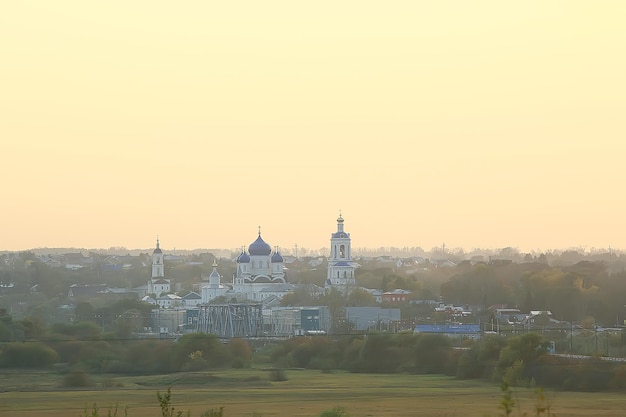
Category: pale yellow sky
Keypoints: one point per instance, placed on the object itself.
(478, 124)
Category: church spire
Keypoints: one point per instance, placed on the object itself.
(157, 261)
(340, 223)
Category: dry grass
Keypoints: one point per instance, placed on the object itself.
(248, 393)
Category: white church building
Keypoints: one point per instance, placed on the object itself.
(215, 288)
(260, 273)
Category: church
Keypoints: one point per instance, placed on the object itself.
(340, 266)
(158, 284)
(260, 273)
(215, 288)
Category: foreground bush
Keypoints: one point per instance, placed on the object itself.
(77, 379)
(335, 412)
(27, 355)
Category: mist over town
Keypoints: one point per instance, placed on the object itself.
(331, 209)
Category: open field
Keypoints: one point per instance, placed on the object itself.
(247, 393)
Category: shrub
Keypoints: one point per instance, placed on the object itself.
(212, 350)
(514, 374)
(278, 375)
(431, 353)
(619, 378)
(241, 352)
(237, 363)
(167, 409)
(520, 351)
(95, 411)
(468, 365)
(335, 412)
(27, 355)
(111, 383)
(77, 379)
(302, 355)
(216, 412)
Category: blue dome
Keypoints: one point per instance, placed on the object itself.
(276, 258)
(243, 258)
(341, 234)
(259, 247)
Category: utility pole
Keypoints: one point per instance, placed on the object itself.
(296, 248)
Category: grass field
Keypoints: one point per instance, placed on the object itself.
(248, 393)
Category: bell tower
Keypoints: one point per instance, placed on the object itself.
(340, 265)
(157, 262)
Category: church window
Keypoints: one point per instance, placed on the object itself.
(345, 274)
(342, 251)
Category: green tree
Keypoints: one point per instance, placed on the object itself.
(240, 351)
(336, 303)
(27, 355)
(84, 312)
(80, 331)
(361, 298)
(431, 353)
(212, 350)
(34, 328)
(381, 353)
(6, 326)
(300, 297)
(519, 352)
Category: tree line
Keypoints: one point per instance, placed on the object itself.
(85, 348)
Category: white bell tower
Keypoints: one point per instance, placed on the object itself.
(340, 265)
(157, 262)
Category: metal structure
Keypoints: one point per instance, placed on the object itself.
(231, 320)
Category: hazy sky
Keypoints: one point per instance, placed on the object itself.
(477, 124)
